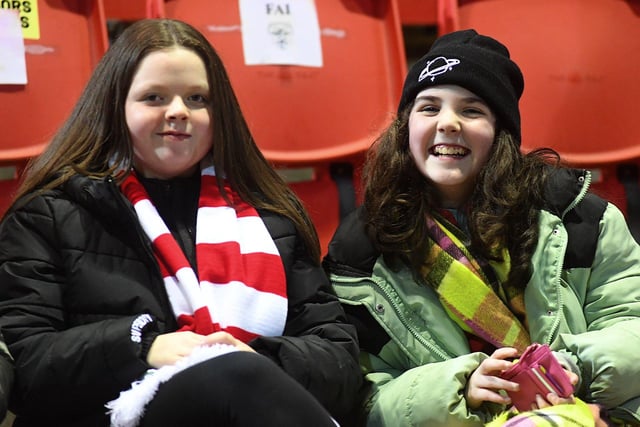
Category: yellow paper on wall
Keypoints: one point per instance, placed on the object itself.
(29, 20)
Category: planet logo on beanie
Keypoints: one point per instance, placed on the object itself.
(477, 63)
(436, 67)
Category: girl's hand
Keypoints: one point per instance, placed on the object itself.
(484, 385)
(554, 399)
(167, 349)
(227, 338)
(550, 400)
(595, 410)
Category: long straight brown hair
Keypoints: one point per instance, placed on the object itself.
(94, 141)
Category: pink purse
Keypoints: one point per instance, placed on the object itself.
(538, 372)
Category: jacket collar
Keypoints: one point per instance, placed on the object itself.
(101, 197)
(563, 187)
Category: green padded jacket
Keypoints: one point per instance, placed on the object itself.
(583, 299)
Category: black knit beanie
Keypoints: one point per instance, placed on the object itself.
(478, 63)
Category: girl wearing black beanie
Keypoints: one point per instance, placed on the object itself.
(467, 251)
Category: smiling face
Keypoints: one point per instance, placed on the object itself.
(451, 131)
(167, 113)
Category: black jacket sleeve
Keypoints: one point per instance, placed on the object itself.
(318, 348)
(6, 377)
(57, 364)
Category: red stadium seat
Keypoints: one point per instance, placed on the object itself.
(132, 10)
(73, 37)
(418, 12)
(580, 59)
(315, 123)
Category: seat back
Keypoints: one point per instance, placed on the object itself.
(308, 119)
(72, 39)
(418, 12)
(580, 59)
(132, 10)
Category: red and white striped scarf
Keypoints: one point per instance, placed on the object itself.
(242, 285)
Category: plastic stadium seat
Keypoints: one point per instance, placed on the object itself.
(418, 12)
(422, 12)
(132, 10)
(315, 123)
(580, 59)
(73, 37)
(9, 176)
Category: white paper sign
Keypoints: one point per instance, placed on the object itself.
(280, 32)
(13, 67)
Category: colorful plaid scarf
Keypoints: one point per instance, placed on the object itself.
(469, 289)
(242, 286)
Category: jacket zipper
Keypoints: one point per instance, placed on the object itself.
(585, 187)
(388, 297)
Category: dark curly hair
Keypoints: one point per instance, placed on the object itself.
(503, 210)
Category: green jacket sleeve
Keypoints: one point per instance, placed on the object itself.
(428, 395)
(607, 353)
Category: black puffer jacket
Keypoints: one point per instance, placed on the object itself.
(76, 271)
(6, 377)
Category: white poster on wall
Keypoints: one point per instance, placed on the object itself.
(284, 32)
(13, 67)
